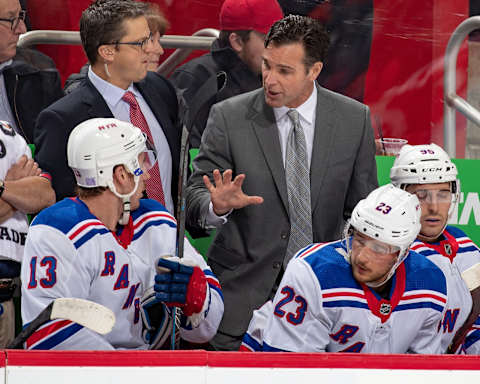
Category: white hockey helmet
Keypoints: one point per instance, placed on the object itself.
(97, 145)
(390, 215)
(425, 164)
(422, 164)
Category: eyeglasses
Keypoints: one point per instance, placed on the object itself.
(374, 245)
(14, 21)
(430, 195)
(142, 43)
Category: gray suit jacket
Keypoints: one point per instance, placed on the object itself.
(241, 134)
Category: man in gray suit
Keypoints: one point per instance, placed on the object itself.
(245, 185)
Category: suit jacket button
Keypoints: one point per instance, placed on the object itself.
(283, 236)
(277, 265)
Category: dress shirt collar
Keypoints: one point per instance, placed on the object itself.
(111, 93)
(305, 110)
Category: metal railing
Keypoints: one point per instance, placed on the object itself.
(453, 102)
(201, 39)
(182, 53)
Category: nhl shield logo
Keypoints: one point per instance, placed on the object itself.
(385, 308)
(448, 249)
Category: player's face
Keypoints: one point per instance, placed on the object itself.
(130, 62)
(371, 259)
(435, 200)
(252, 50)
(286, 79)
(10, 9)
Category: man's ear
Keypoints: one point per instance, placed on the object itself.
(236, 42)
(120, 178)
(315, 70)
(106, 52)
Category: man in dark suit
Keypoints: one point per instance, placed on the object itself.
(117, 41)
(277, 168)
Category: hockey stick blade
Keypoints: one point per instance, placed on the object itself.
(91, 315)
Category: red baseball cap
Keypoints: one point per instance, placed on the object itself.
(245, 15)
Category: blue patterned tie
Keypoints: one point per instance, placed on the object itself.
(298, 189)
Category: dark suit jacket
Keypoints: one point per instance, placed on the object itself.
(57, 121)
(248, 251)
(30, 89)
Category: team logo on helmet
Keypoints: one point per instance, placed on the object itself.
(385, 308)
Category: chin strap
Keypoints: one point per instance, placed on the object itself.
(126, 211)
(125, 199)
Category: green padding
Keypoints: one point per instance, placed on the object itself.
(193, 153)
(467, 216)
(32, 149)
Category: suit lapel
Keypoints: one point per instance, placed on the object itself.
(322, 144)
(98, 105)
(265, 127)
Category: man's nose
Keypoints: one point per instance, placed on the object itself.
(20, 28)
(269, 77)
(363, 255)
(431, 204)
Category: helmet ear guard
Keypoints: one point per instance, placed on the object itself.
(390, 215)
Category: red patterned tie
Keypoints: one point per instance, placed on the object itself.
(154, 184)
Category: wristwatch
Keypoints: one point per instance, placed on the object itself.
(2, 187)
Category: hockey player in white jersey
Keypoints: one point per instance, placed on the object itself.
(366, 293)
(105, 245)
(428, 172)
(24, 188)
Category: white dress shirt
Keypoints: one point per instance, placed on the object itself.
(121, 111)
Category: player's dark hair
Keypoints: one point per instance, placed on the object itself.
(301, 29)
(102, 23)
(85, 193)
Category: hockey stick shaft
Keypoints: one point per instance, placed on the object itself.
(182, 185)
(28, 331)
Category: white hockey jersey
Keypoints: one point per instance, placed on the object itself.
(453, 255)
(320, 307)
(13, 231)
(70, 253)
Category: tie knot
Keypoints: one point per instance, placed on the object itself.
(294, 116)
(129, 97)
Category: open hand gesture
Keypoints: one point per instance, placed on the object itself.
(226, 194)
